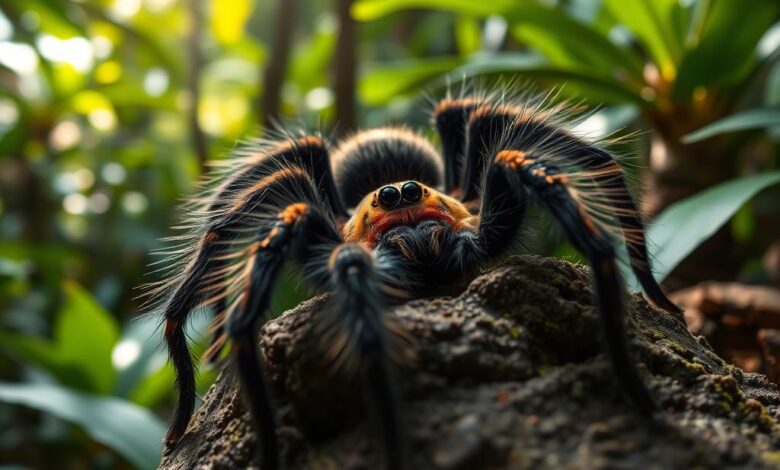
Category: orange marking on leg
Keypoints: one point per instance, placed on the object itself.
(446, 105)
(310, 141)
(493, 110)
(245, 195)
(210, 237)
(267, 240)
(512, 158)
(292, 212)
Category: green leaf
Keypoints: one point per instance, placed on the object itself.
(367, 10)
(566, 42)
(384, 83)
(133, 432)
(683, 226)
(45, 355)
(598, 87)
(721, 56)
(80, 355)
(754, 119)
(562, 39)
(468, 35)
(86, 334)
(656, 25)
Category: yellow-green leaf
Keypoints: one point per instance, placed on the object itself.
(228, 19)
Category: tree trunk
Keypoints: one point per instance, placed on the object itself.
(508, 374)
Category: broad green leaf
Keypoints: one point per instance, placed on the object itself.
(565, 42)
(133, 432)
(46, 355)
(155, 388)
(367, 10)
(654, 22)
(722, 55)
(310, 61)
(384, 83)
(80, 354)
(683, 226)
(599, 88)
(86, 335)
(562, 39)
(381, 84)
(753, 119)
(468, 35)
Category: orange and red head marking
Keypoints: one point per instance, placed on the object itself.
(402, 203)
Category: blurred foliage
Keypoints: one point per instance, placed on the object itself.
(96, 149)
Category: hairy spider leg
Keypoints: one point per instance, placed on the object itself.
(198, 287)
(527, 173)
(528, 127)
(268, 255)
(352, 325)
(288, 213)
(450, 117)
(356, 324)
(307, 152)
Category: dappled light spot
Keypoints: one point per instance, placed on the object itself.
(74, 51)
(20, 58)
(9, 114)
(319, 98)
(156, 81)
(102, 119)
(113, 173)
(125, 353)
(134, 202)
(75, 204)
(65, 135)
(123, 10)
(99, 203)
(108, 72)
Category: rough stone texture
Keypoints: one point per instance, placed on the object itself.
(508, 374)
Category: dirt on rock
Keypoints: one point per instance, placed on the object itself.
(510, 373)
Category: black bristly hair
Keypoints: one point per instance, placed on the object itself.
(286, 200)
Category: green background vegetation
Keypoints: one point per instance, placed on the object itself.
(109, 110)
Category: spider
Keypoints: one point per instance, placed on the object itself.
(380, 217)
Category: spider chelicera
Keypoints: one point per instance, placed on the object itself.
(382, 216)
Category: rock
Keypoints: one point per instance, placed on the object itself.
(508, 374)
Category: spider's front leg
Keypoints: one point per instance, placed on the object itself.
(352, 325)
(524, 173)
(474, 128)
(207, 268)
(299, 223)
(358, 338)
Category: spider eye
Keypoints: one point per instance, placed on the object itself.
(411, 191)
(389, 197)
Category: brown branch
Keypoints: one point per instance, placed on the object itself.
(344, 69)
(193, 82)
(275, 70)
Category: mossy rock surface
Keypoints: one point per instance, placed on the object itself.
(508, 374)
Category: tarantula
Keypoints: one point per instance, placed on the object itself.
(382, 216)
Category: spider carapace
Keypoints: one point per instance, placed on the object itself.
(381, 217)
